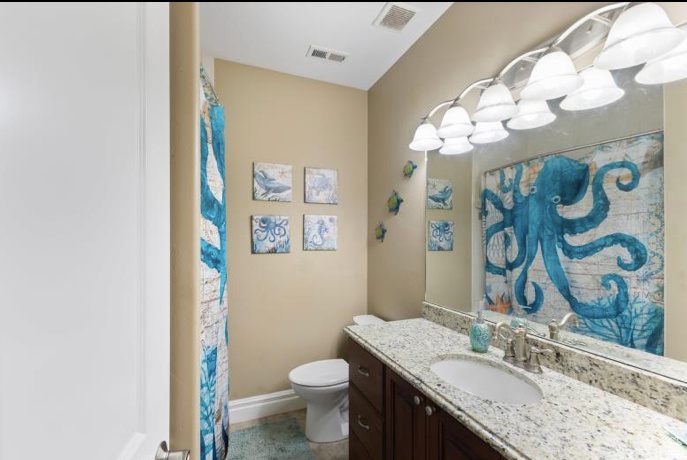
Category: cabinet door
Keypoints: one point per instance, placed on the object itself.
(405, 420)
(448, 439)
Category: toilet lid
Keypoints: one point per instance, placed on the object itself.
(320, 373)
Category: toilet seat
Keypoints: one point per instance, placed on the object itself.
(325, 373)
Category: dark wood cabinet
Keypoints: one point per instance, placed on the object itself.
(391, 419)
(448, 439)
(405, 420)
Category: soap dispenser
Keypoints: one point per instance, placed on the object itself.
(480, 332)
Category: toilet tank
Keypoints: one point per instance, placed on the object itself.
(363, 320)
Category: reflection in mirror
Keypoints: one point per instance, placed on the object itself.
(569, 217)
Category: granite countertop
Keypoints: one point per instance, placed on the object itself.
(573, 420)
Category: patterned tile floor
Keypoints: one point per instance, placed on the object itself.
(326, 451)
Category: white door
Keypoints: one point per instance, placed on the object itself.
(84, 230)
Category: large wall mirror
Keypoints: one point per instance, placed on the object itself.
(570, 220)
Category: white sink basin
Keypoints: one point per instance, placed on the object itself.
(486, 380)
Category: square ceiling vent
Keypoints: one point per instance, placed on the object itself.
(326, 54)
(395, 16)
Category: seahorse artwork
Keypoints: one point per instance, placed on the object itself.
(214, 364)
(583, 235)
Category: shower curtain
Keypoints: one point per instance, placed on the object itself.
(214, 366)
(582, 234)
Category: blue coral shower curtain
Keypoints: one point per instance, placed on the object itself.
(214, 366)
(584, 235)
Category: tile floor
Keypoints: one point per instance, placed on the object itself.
(327, 451)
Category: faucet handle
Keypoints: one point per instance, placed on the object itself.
(533, 364)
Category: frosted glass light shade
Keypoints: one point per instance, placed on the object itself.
(495, 104)
(553, 76)
(640, 33)
(532, 113)
(672, 66)
(456, 146)
(425, 138)
(487, 132)
(599, 89)
(456, 123)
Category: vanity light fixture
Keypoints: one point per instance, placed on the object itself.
(495, 104)
(425, 138)
(599, 89)
(641, 33)
(487, 132)
(670, 67)
(456, 146)
(553, 76)
(532, 113)
(456, 123)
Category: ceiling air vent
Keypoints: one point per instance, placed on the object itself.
(395, 16)
(318, 52)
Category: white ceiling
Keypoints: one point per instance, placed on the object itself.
(277, 35)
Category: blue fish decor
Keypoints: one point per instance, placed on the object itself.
(409, 169)
(394, 202)
(380, 232)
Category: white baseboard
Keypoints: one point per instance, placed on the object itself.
(243, 410)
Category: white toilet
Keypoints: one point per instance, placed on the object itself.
(324, 386)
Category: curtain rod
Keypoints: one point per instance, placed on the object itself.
(560, 152)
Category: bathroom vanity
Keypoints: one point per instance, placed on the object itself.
(390, 418)
(401, 409)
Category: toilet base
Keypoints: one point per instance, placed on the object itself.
(326, 418)
(326, 424)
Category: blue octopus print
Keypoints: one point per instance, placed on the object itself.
(214, 365)
(440, 235)
(320, 233)
(554, 228)
(271, 234)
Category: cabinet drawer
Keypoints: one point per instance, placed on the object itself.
(367, 373)
(356, 450)
(366, 424)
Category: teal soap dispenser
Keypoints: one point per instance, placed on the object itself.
(480, 332)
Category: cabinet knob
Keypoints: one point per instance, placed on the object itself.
(417, 400)
(429, 410)
(363, 371)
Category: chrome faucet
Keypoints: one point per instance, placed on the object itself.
(517, 351)
(555, 326)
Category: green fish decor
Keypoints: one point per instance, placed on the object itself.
(394, 202)
(380, 231)
(409, 169)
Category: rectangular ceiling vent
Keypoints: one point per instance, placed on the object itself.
(318, 52)
(395, 16)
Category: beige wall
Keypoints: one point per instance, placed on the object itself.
(676, 219)
(184, 426)
(448, 271)
(289, 309)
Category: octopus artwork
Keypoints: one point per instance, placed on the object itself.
(532, 225)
